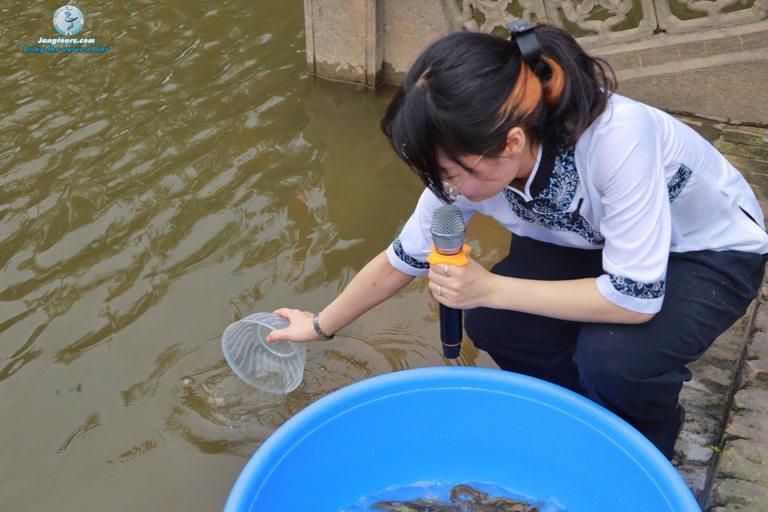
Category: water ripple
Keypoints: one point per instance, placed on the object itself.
(153, 194)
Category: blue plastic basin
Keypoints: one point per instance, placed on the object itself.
(455, 425)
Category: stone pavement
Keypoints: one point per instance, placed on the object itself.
(717, 82)
(721, 450)
(741, 479)
(722, 446)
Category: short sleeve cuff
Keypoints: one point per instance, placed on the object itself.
(632, 295)
(404, 262)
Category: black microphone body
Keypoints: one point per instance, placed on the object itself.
(448, 236)
(451, 331)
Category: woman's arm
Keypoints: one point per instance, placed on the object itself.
(374, 284)
(473, 286)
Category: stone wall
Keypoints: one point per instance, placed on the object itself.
(371, 42)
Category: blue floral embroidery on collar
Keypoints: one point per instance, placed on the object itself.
(549, 208)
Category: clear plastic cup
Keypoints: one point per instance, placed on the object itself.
(273, 367)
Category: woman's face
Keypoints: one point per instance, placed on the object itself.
(491, 175)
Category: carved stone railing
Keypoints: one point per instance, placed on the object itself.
(598, 22)
(370, 42)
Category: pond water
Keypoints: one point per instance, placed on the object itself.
(154, 193)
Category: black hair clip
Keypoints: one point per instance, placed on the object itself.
(526, 40)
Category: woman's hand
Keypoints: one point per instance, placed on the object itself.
(300, 330)
(464, 287)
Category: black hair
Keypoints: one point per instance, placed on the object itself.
(456, 98)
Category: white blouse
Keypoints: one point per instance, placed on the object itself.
(639, 184)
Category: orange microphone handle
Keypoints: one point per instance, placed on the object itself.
(459, 259)
(450, 319)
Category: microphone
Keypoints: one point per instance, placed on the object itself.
(448, 237)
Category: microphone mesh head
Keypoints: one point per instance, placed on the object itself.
(448, 229)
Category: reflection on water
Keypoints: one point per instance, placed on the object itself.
(149, 197)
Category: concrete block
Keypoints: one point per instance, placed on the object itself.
(729, 508)
(670, 54)
(732, 44)
(725, 351)
(715, 380)
(700, 401)
(753, 152)
(756, 372)
(409, 27)
(369, 41)
(754, 40)
(699, 434)
(705, 91)
(694, 475)
(746, 137)
(761, 324)
(705, 127)
(625, 60)
(751, 399)
(745, 460)
(748, 425)
(758, 346)
(337, 38)
(756, 174)
(732, 493)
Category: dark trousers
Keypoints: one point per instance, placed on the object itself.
(635, 371)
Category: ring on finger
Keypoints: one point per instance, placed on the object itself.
(437, 292)
(445, 274)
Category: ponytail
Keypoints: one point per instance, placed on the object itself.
(524, 98)
(578, 86)
(572, 97)
(553, 88)
(529, 91)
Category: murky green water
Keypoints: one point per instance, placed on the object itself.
(151, 195)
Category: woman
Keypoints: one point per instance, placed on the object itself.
(635, 243)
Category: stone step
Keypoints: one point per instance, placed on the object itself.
(738, 473)
(721, 451)
(717, 74)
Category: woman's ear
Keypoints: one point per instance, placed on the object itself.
(516, 141)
